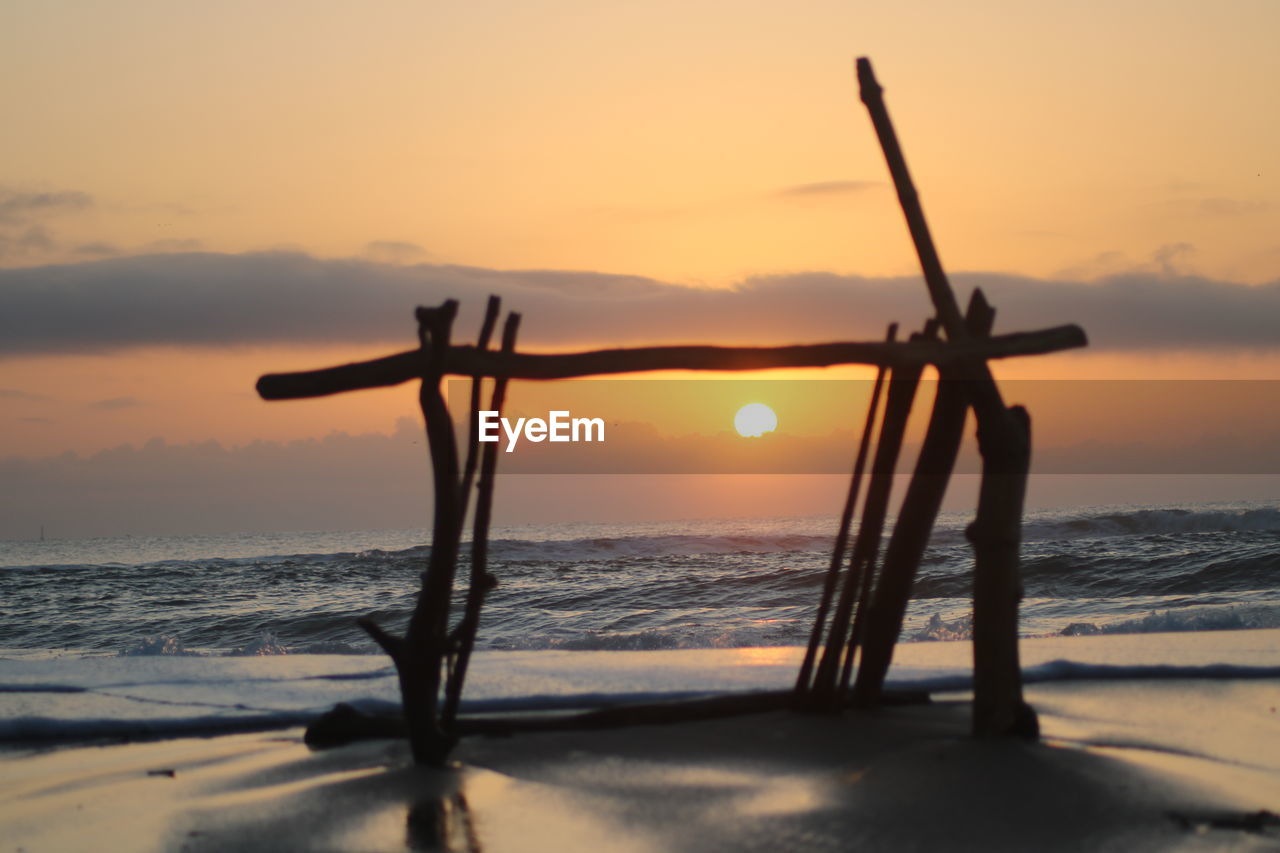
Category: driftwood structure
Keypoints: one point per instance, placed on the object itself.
(864, 596)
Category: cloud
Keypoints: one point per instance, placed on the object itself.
(394, 252)
(96, 250)
(816, 191)
(15, 394)
(116, 403)
(25, 236)
(1215, 207)
(176, 245)
(36, 238)
(28, 240)
(1230, 206)
(1170, 256)
(18, 208)
(208, 300)
(827, 188)
(22, 234)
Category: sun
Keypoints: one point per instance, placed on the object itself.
(754, 420)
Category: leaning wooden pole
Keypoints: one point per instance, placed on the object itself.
(841, 547)
(863, 566)
(1004, 441)
(902, 390)
(883, 623)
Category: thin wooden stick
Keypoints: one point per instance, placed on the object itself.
(395, 647)
(902, 390)
(420, 654)
(803, 680)
(481, 580)
(491, 310)
(863, 567)
(468, 361)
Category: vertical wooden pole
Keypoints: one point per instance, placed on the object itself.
(491, 310)
(420, 655)
(914, 525)
(996, 535)
(428, 627)
(481, 580)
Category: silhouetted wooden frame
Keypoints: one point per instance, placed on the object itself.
(429, 652)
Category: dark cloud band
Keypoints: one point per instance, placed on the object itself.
(205, 299)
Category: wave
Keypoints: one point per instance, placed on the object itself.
(1231, 618)
(504, 550)
(1144, 522)
(266, 643)
(611, 547)
(157, 645)
(1139, 522)
(1187, 568)
(1068, 670)
(512, 631)
(1190, 619)
(1147, 522)
(51, 729)
(653, 546)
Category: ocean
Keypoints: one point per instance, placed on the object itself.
(137, 636)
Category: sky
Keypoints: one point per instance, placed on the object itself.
(195, 194)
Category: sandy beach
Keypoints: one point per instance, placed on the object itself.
(1169, 765)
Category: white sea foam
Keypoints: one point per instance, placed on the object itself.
(76, 697)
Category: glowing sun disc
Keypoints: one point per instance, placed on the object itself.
(754, 420)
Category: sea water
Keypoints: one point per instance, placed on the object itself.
(132, 636)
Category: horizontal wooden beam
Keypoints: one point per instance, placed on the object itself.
(468, 361)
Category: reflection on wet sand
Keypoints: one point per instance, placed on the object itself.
(442, 823)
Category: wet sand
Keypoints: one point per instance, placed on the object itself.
(1167, 766)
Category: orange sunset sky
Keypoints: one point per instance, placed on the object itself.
(193, 194)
